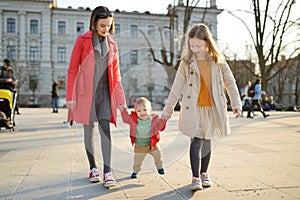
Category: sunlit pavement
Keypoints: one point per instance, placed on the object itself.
(45, 159)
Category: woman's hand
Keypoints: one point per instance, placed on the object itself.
(70, 104)
(10, 80)
(122, 107)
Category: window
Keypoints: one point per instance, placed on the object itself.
(61, 54)
(79, 28)
(34, 26)
(11, 25)
(133, 31)
(11, 52)
(61, 28)
(151, 31)
(33, 54)
(167, 31)
(117, 28)
(134, 57)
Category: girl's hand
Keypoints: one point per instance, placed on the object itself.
(237, 113)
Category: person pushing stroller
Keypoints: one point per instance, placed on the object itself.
(7, 95)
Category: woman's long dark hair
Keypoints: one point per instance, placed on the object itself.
(101, 12)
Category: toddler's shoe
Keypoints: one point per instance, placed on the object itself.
(109, 180)
(161, 171)
(196, 184)
(206, 182)
(134, 175)
(94, 175)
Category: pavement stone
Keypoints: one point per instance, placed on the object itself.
(45, 159)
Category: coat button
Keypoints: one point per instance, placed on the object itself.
(187, 107)
(190, 85)
(192, 72)
(188, 96)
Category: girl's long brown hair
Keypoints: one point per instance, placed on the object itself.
(201, 31)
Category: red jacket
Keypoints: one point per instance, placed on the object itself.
(157, 125)
(81, 75)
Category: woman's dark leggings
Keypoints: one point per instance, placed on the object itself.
(199, 145)
(104, 130)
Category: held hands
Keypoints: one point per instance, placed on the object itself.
(165, 117)
(122, 107)
(237, 113)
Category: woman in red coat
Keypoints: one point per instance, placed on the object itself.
(94, 89)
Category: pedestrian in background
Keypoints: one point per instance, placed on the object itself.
(272, 104)
(54, 97)
(7, 79)
(256, 100)
(245, 97)
(94, 89)
(201, 78)
(246, 100)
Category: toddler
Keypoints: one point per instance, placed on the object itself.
(144, 134)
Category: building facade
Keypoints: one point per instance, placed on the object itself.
(38, 38)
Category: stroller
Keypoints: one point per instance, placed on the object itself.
(7, 107)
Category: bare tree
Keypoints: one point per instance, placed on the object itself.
(272, 28)
(170, 58)
(284, 67)
(297, 82)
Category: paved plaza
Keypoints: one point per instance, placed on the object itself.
(45, 159)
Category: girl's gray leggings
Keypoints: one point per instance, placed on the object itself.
(104, 129)
(199, 147)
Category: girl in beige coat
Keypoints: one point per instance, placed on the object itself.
(200, 81)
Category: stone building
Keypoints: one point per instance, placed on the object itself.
(38, 37)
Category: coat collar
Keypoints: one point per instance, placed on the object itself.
(195, 68)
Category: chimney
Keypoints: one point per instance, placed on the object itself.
(213, 4)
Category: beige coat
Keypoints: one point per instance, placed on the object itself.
(187, 86)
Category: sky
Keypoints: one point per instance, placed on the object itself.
(231, 32)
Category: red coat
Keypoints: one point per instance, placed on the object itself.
(81, 76)
(157, 125)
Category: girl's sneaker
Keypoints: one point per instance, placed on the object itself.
(94, 175)
(196, 184)
(109, 180)
(206, 182)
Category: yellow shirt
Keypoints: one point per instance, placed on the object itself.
(205, 98)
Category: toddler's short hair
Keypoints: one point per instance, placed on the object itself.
(143, 101)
